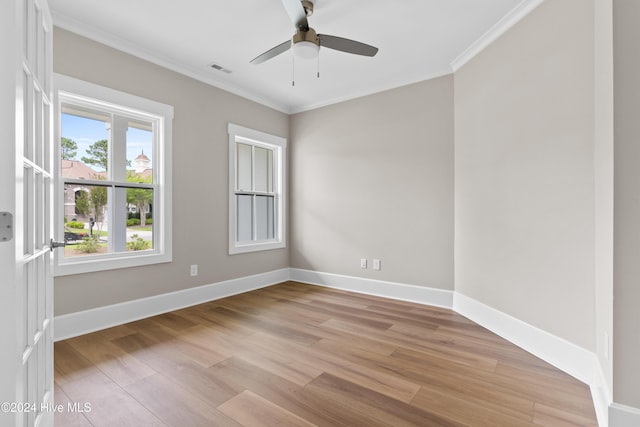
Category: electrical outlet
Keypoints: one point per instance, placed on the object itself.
(377, 264)
(194, 270)
(363, 263)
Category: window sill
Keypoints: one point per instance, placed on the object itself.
(255, 247)
(95, 264)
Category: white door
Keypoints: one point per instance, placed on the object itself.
(26, 297)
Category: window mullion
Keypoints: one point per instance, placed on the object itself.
(118, 155)
(110, 228)
(118, 148)
(254, 221)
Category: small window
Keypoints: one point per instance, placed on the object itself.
(114, 180)
(257, 190)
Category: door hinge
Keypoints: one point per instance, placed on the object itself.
(6, 227)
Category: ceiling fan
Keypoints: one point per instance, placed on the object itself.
(306, 42)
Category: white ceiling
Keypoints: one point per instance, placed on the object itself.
(418, 39)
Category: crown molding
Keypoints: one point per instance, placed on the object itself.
(115, 42)
(502, 26)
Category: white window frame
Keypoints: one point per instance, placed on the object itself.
(71, 90)
(278, 144)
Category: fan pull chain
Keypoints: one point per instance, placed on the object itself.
(293, 69)
(318, 75)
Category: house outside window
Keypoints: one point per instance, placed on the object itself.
(257, 197)
(114, 178)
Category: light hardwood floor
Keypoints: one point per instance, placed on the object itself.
(301, 355)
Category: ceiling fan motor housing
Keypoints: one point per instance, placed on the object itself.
(305, 44)
(306, 36)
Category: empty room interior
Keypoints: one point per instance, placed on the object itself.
(440, 246)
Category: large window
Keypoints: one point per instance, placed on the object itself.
(114, 182)
(256, 194)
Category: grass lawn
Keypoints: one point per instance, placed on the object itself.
(138, 228)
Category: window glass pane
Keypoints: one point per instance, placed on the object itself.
(139, 222)
(29, 209)
(245, 218)
(26, 114)
(84, 145)
(243, 179)
(263, 170)
(85, 220)
(264, 217)
(140, 152)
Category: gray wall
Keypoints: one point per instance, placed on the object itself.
(200, 177)
(373, 178)
(524, 172)
(627, 203)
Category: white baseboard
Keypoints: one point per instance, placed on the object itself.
(399, 291)
(84, 322)
(570, 358)
(601, 394)
(623, 416)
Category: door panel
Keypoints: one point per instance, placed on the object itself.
(26, 284)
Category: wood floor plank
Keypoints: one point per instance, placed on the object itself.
(67, 417)
(116, 332)
(328, 361)
(270, 327)
(250, 410)
(120, 366)
(426, 343)
(448, 379)
(69, 364)
(176, 366)
(174, 321)
(109, 404)
(464, 411)
(294, 354)
(175, 405)
(280, 364)
(242, 375)
(553, 417)
(376, 408)
(509, 385)
(195, 350)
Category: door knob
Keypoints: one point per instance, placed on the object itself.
(53, 245)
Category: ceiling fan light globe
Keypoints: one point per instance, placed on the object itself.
(306, 50)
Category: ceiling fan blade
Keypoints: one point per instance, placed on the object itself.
(347, 45)
(297, 13)
(281, 48)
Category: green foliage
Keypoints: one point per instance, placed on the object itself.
(98, 200)
(68, 148)
(82, 203)
(140, 197)
(89, 244)
(136, 215)
(98, 154)
(138, 244)
(133, 221)
(75, 224)
(92, 202)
